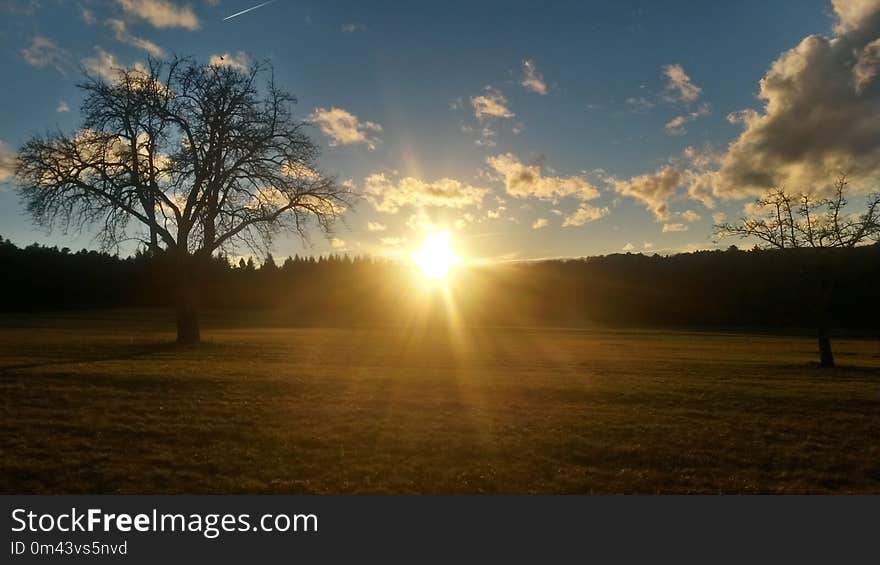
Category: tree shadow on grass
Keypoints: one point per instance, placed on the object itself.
(121, 353)
(839, 371)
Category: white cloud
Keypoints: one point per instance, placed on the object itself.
(353, 27)
(525, 181)
(103, 64)
(678, 125)
(387, 195)
(583, 215)
(344, 128)
(44, 52)
(653, 189)
(161, 13)
(239, 61)
(493, 104)
(376, 226)
(679, 84)
(702, 158)
(338, 244)
(647, 245)
(629, 247)
(854, 16)
(7, 162)
(688, 176)
(540, 223)
(120, 31)
(532, 79)
(676, 227)
(62, 107)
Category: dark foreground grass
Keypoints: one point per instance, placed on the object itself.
(102, 404)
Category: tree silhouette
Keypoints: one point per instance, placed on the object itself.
(811, 226)
(186, 158)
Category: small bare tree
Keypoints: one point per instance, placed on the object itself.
(781, 220)
(189, 159)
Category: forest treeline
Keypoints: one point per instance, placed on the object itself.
(773, 289)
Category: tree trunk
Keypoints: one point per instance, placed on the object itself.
(827, 270)
(826, 356)
(188, 332)
(187, 322)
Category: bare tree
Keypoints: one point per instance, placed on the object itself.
(189, 160)
(781, 220)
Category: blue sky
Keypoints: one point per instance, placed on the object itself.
(428, 93)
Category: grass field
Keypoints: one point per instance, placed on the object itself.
(103, 404)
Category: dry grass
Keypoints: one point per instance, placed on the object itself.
(100, 404)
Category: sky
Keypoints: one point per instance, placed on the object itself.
(526, 130)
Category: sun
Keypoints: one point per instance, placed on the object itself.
(436, 257)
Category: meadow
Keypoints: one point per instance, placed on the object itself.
(105, 403)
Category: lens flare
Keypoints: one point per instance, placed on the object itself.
(436, 257)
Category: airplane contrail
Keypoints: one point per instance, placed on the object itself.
(248, 10)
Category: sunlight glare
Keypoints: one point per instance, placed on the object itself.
(436, 256)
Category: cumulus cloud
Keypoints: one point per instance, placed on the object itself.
(7, 162)
(523, 181)
(584, 214)
(540, 223)
(238, 61)
(688, 176)
(679, 85)
(120, 31)
(855, 16)
(532, 79)
(338, 244)
(389, 195)
(654, 190)
(44, 52)
(820, 113)
(344, 128)
(489, 109)
(629, 247)
(62, 107)
(376, 226)
(161, 13)
(493, 104)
